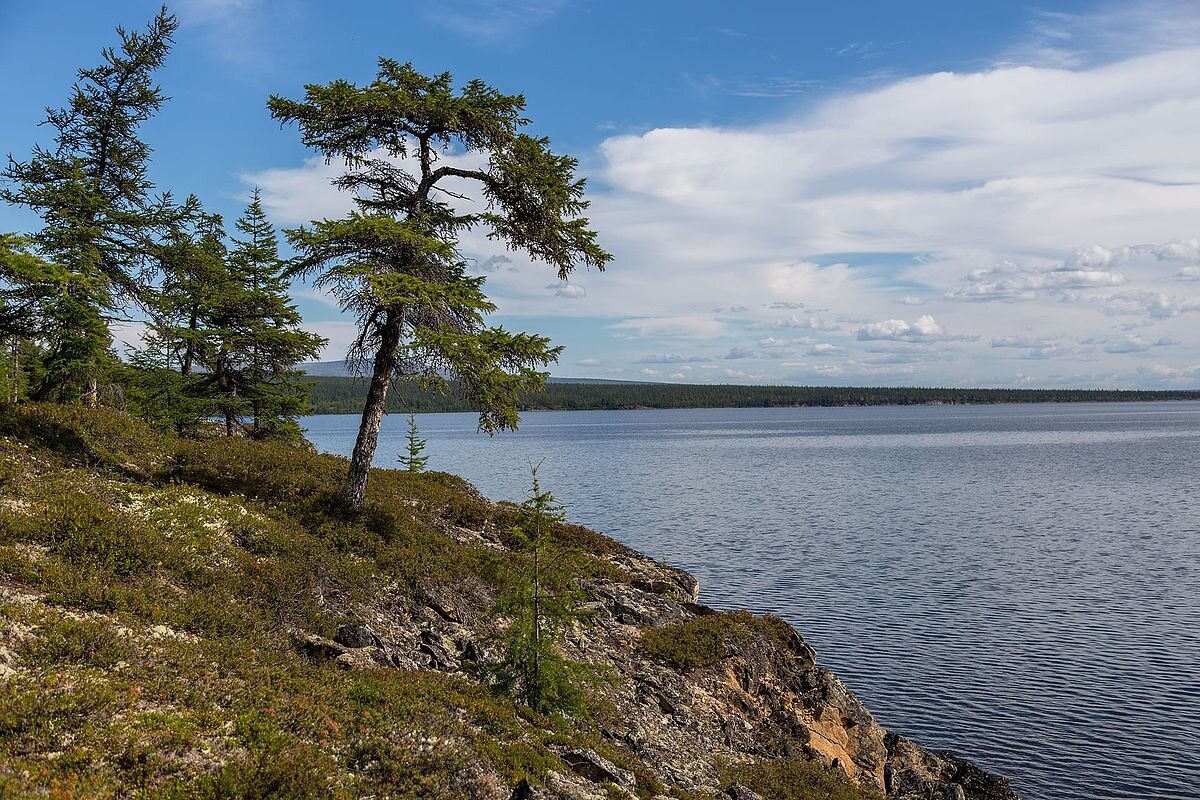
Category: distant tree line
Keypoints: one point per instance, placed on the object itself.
(339, 395)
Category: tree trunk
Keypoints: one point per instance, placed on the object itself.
(16, 368)
(91, 398)
(223, 386)
(355, 489)
(189, 353)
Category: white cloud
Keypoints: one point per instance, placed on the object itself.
(1188, 274)
(670, 358)
(1021, 341)
(924, 329)
(571, 291)
(740, 375)
(685, 326)
(589, 362)
(1007, 281)
(1136, 344)
(1154, 305)
(795, 322)
(493, 263)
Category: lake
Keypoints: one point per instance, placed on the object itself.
(1019, 584)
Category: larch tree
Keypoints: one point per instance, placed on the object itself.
(92, 192)
(394, 262)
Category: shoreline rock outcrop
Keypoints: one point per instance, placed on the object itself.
(765, 697)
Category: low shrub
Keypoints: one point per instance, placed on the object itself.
(100, 436)
(707, 640)
(796, 779)
(82, 642)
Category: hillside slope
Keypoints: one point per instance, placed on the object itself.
(195, 619)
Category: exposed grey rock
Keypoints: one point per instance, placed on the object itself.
(596, 768)
(914, 773)
(316, 647)
(357, 635)
(738, 792)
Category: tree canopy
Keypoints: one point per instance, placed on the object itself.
(413, 147)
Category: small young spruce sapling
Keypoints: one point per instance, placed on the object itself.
(414, 459)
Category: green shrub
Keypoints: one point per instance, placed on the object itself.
(796, 779)
(100, 436)
(83, 642)
(268, 470)
(91, 533)
(708, 639)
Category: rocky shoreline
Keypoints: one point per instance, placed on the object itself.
(768, 698)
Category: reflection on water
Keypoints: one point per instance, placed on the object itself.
(1019, 584)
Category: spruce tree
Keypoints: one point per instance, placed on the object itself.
(99, 218)
(224, 318)
(414, 459)
(266, 341)
(542, 602)
(395, 263)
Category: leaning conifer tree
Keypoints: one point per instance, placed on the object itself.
(394, 262)
(99, 218)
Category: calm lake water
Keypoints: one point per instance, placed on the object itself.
(1019, 584)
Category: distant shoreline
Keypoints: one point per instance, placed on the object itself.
(341, 395)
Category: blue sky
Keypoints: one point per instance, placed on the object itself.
(856, 192)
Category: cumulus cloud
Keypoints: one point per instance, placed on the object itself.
(493, 263)
(795, 322)
(1008, 281)
(924, 329)
(1136, 344)
(1154, 305)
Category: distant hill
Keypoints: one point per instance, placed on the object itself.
(333, 395)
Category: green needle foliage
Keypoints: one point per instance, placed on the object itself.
(224, 320)
(266, 342)
(394, 261)
(413, 460)
(99, 218)
(543, 602)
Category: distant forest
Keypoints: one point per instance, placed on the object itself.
(330, 395)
